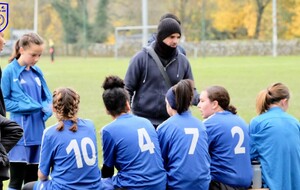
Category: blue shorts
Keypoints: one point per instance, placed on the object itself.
(50, 185)
(107, 184)
(25, 154)
(42, 185)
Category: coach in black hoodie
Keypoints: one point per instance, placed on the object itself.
(145, 83)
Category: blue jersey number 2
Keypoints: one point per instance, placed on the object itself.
(238, 148)
(73, 145)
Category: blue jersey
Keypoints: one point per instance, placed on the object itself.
(131, 145)
(229, 149)
(183, 142)
(71, 157)
(32, 124)
(275, 141)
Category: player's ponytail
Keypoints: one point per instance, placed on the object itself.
(66, 104)
(184, 91)
(221, 95)
(272, 95)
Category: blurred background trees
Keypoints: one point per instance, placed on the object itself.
(93, 21)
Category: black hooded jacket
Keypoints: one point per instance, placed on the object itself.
(10, 134)
(147, 87)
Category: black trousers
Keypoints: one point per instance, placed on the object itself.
(22, 173)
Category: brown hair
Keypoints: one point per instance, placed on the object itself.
(65, 103)
(25, 41)
(221, 95)
(273, 94)
(184, 91)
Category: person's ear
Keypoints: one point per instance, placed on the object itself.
(21, 50)
(284, 103)
(215, 104)
(128, 106)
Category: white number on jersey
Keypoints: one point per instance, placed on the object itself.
(73, 145)
(142, 133)
(195, 133)
(238, 148)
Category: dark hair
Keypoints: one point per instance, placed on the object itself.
(271, 95)
(221, 95)
(184, 91)
(115, 96)
(170, 15)
(65, 103)
(25, 41)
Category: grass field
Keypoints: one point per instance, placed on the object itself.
(243, 77)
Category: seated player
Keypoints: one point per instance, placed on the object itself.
(130, 144)
(228, 141)
(183, 141)
(69, 149)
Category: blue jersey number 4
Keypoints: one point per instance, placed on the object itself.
(146, 145)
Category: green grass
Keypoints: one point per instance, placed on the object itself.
(243, 77)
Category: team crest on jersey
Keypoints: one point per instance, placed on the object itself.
(38, 81)
(4, 12)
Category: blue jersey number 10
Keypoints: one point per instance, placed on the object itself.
(73, 145)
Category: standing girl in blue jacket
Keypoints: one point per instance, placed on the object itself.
(28, 99)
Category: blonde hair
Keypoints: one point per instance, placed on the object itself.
(65, 103)
(273, 94)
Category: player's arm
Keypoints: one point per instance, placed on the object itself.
(41, 176)
(11, 133)
(108, 147)
(107, 171)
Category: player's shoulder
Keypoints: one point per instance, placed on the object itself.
(51, 130)
(86, 122)
(168, 125)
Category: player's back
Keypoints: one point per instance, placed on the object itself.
(72, 156)
(136, 153)
(183, 141)
(229, 147)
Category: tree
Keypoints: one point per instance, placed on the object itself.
(71, 16)
(100, 27)
(261, 5)
(50, 24)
